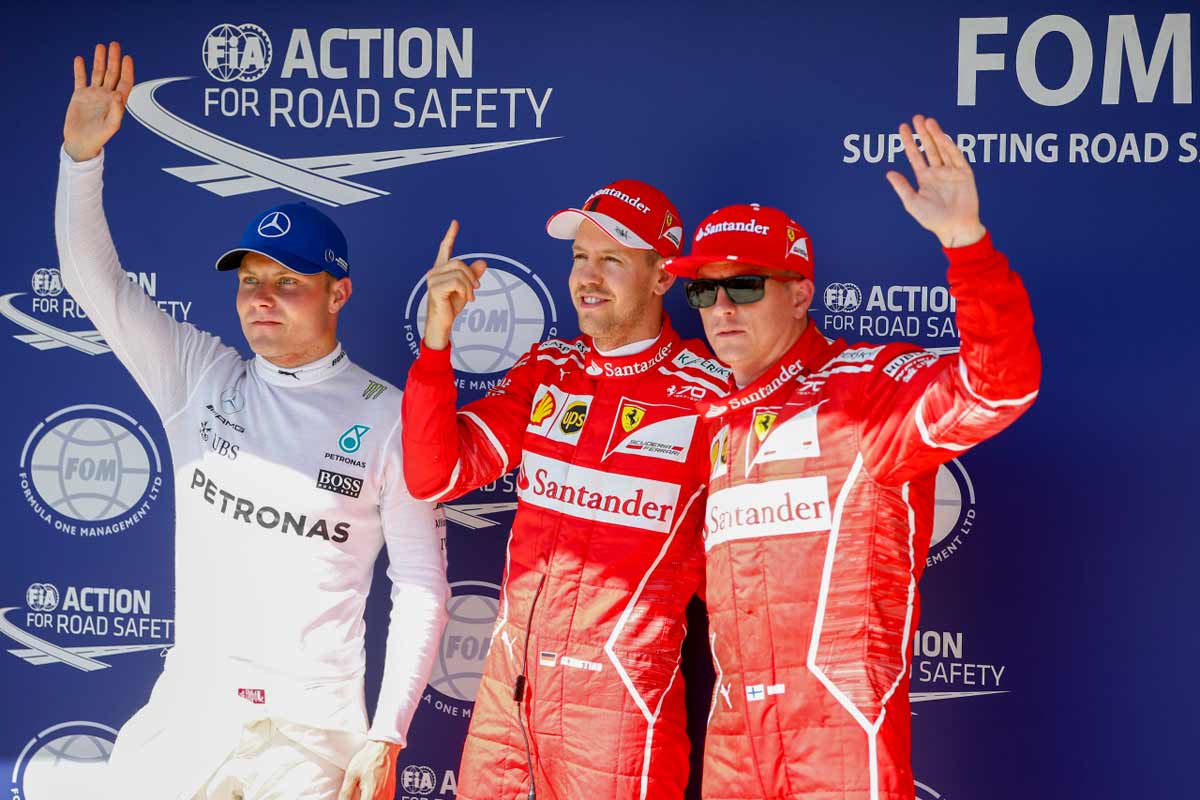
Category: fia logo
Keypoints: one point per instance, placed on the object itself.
(237, 52)
(843, 298)
(415, 779)
(47, 282)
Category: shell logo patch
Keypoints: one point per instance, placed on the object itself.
(543, 408)
(719, 452)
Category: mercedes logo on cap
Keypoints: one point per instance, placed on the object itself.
(274, 225)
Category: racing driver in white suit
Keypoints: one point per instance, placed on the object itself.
(288, 482)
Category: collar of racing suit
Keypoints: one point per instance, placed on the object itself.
(598, 365)
(306, 374)
(633, 348)
(810, 352)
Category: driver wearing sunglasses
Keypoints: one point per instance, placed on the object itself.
(753, 305)
(821, 487)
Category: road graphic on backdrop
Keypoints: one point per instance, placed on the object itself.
(237, 169)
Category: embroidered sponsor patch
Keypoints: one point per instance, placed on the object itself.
(763, 420)
(256, 696)
(903, 367)
(718, 453)
(558, 415)
(338, 483)
(770, 508)
(648, 429)
(544, 407)
(794, 437)
(600, 496)
(573, 417)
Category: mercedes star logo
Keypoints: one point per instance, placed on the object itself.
(274, 225)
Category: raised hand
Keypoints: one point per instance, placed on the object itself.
(96, 109)
(451, 284)
(946, 201)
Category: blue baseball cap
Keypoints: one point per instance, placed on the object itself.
(296, 235)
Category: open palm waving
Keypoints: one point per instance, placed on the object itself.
(95, 111)
(945, 201)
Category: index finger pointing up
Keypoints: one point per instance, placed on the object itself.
(446, 249)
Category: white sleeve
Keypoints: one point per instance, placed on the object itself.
(415, 534)
(165, 357)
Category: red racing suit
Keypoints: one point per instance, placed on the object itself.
(818, 522)
(603, 557)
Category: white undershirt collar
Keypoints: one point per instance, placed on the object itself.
(630, 349)
(313, 372)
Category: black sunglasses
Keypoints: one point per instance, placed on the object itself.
(740, 289)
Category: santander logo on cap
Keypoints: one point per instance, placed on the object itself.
(613, 191)
(633, 213)
(724, 226)
(749, 234)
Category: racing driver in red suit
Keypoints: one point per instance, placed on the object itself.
(581, 686)
(820, 504)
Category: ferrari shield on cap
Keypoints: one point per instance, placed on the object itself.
(296, 235)
(633, 213)
(754, 235)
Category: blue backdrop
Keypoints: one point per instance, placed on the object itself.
(1053, 647)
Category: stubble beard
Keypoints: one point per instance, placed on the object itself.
(614, 326)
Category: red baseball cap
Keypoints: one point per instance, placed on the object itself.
(753, 235)
(633, 213)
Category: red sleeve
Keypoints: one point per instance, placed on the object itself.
(449, 453)
(920, 410)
